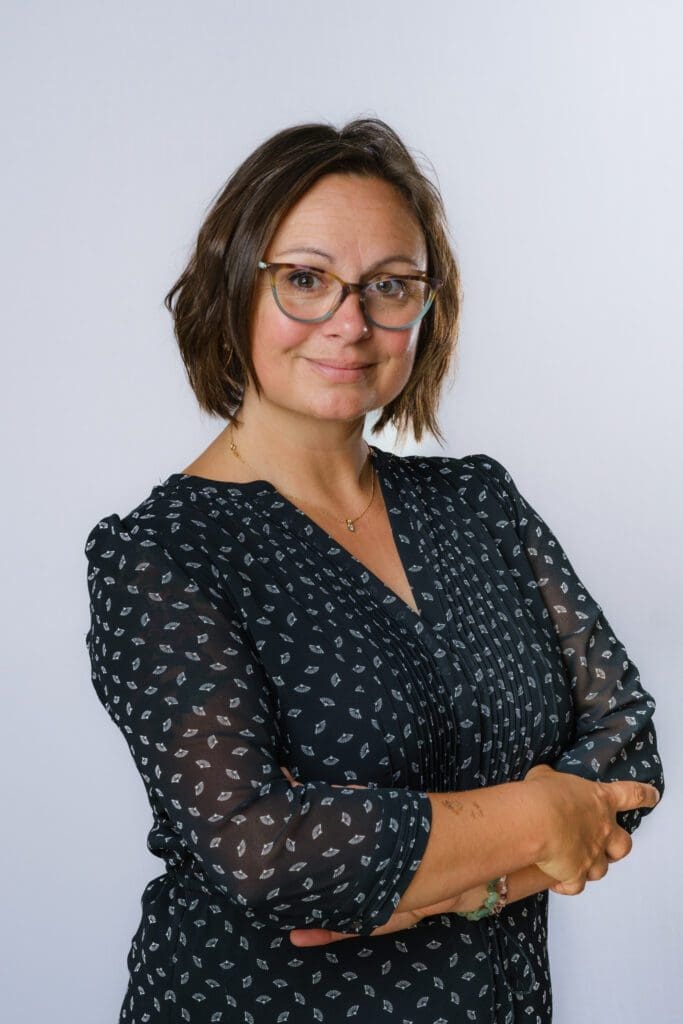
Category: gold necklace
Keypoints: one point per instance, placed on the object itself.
(348, 523)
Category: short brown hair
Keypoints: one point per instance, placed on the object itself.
(211, 302)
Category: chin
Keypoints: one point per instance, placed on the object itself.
(337, 407)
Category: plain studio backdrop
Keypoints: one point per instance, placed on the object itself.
(555, 133)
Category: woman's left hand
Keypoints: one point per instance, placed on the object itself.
(398, 921)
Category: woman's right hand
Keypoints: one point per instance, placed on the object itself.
(581, 834)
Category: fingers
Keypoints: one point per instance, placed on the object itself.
(627, 796)
(317, 936)
(598, 869)
(618, 845)
(293, 782)
(569, 888)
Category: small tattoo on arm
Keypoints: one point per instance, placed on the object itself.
(458, 807)
(454, 805)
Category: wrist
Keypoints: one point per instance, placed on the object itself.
(470, 899)
(537, 817)
(494, 901)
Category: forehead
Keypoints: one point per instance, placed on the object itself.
(350, 208)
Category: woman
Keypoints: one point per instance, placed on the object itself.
(369, 697)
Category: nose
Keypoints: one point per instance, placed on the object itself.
(349, 320)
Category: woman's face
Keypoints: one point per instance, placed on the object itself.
(357, 226)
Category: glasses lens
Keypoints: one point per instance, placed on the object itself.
(305, 293)
(396, 301)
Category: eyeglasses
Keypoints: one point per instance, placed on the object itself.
(311, 295)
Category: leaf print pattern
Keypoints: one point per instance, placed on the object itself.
(230, 634)
(612, 711)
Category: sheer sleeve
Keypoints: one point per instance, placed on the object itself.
(614, 735)
(172, 664)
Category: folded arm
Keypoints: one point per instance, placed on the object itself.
(614, 736)
(173, 667)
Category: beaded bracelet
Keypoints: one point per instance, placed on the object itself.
(495, 900)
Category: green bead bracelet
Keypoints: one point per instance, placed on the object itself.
(488, 907)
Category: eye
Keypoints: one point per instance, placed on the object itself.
(390, 287)
(303, 280)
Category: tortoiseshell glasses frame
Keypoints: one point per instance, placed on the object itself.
(347, 287)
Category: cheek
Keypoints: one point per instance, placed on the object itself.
(400, 348)
(272, 337)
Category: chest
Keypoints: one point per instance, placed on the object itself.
(366, 691)
(373, 545)
(469, 692)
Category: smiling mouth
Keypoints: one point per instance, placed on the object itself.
(342, 366)
(341, 373)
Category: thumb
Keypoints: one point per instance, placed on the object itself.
(627, 796)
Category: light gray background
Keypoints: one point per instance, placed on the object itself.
(555, 131)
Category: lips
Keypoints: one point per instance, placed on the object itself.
(341, 366)
(341, 372)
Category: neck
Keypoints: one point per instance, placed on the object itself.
(323, 461)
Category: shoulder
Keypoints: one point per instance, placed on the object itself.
(154, 531)
(478, 478)
(173, 535)
(142, 526)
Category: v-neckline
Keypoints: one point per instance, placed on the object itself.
(271, 501)
(387, 597)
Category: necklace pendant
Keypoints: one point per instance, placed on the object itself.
(350, 526)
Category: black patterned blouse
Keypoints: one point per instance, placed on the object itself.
(230, 635)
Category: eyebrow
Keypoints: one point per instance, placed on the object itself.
(397, 257)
